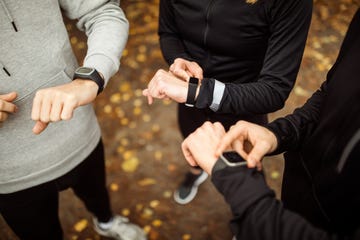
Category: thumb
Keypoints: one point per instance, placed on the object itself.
(9, 97)
(255, 156)
(147, 94)
(39, 127)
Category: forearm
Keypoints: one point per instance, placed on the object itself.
(172, 48)
(170, 39)
(269, 89)
(295, 128)
(245, 99)
(257, 214)
(107, 29)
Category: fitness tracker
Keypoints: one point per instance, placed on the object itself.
(87, 73)
(193, 84)
(229, 159)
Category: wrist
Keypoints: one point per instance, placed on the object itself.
(87, 85)
(90, 75)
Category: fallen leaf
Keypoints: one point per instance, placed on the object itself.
(81, 225)
(146, 182)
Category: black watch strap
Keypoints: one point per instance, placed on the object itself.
(193, 85)
(90, 74)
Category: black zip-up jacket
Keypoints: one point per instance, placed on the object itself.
(321, 185)
(256, 49)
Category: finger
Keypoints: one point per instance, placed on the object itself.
(187, 153)
(257, 154)
(235, 132)
(196, 70)
(238, 146)
(55, 112)
(39, 127)
(150, 99)
(178, 68)
(3, 116)
(259, 166)
(147, 95)
(219, 129)
(225, 142)
(67, 111)
(9, 97)
(8, 107)
(36, 108)
(46, 105)
(180, 73)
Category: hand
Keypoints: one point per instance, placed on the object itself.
(6, 105)
(58, 103)
(200, 146)
(251, 141)
(185, 69)
(166, 85)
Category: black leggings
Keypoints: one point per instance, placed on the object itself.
(33, 213)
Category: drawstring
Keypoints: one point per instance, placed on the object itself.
(4, 69)
(7, 12)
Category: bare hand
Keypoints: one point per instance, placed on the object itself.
(6, 105)
(200, 146)
(166, 85)
(185, 69)
(250, 140)
(58, 103)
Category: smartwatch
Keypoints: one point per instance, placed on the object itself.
(193, 84)
(229, 159)
(88, 73)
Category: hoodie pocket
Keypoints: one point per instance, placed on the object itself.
(17, 129)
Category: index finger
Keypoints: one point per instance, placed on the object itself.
(196, 70)
(7, 107)
(228, 139)
(39, 127)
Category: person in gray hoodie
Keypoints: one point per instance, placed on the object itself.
(50, 139)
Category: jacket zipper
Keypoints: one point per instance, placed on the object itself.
(207, 20)
(208, 10)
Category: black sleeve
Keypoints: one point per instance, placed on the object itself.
(257, 214)
(170, 39)
(293, 130)
(290, 21)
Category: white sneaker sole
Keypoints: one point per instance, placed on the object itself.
(193, 191)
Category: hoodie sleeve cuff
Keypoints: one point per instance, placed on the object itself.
(102, 64)
(218, 94)
(285, 132)
(210, 95)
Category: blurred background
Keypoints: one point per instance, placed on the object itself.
(142, 143)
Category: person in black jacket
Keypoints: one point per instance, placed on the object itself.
(321, 184)
(236, 55)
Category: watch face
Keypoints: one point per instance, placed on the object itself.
(194, 80)
(84, 70)
(233, 157)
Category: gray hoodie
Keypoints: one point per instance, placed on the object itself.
(35, 53)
